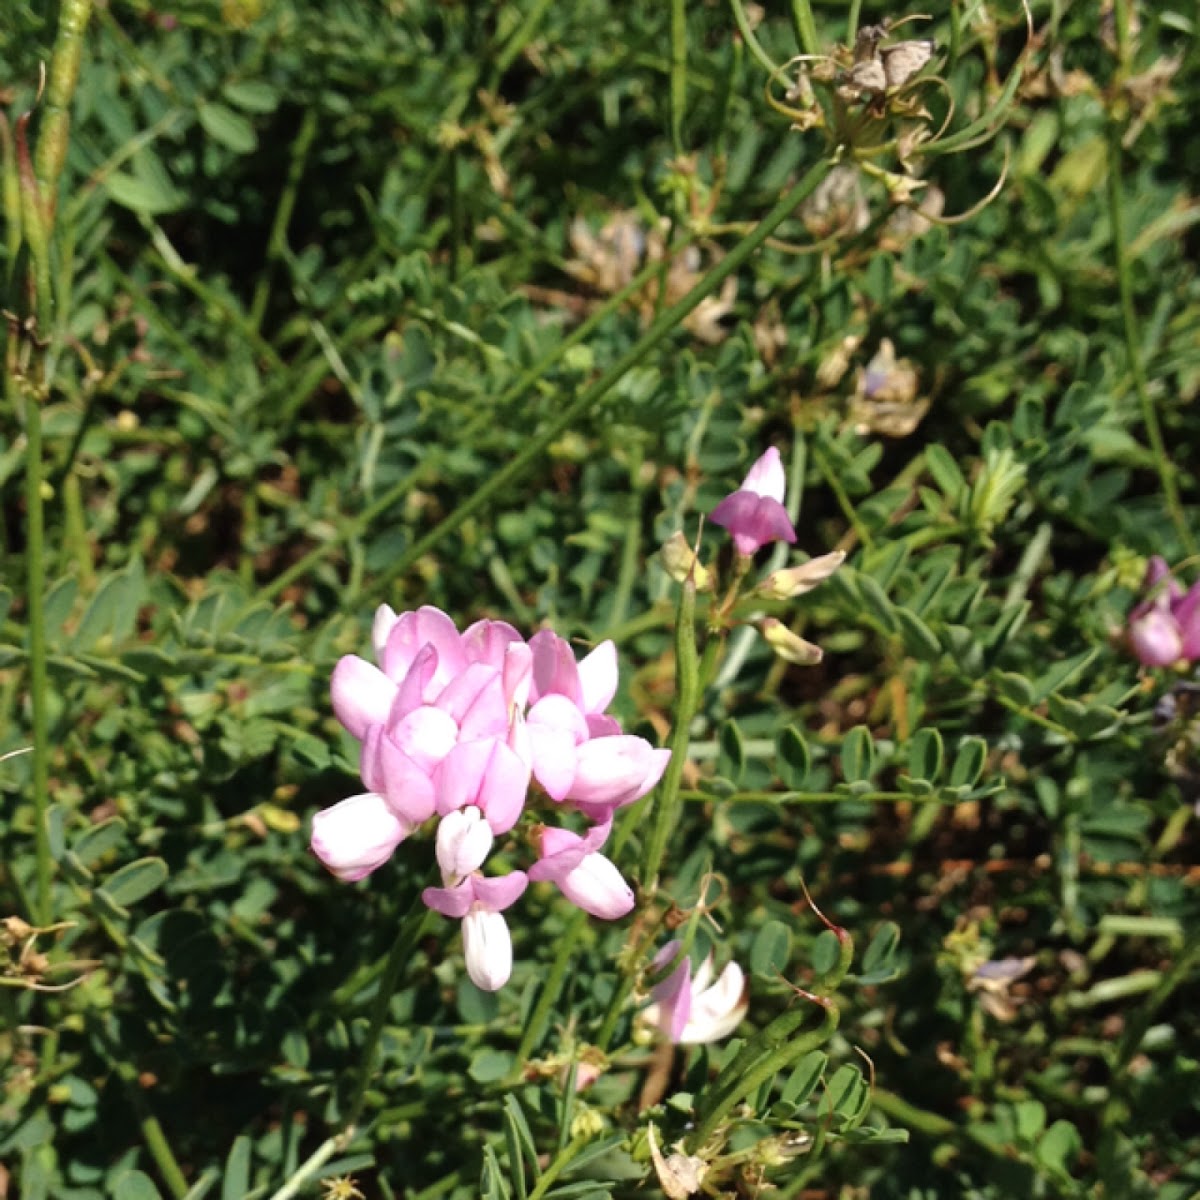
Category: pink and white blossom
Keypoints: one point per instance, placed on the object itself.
(587, 878)
(356, 836)
(692, 1010)
(754, 514)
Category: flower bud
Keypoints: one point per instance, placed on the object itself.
(790, 647)
(796, 581)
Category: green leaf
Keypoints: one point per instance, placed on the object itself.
(848, 1093)
(253, 95)
(801, 1082)
(875, 601)
(793, 758)
(134, 1185)
(731, 761)
(136, 880)
(772, 949)
(879, 962)
(492, 1184)
(858, 755)
(517, 1134)
(919, 639)
(945, 471)
(1013, 687)
(236, 1183)
(1063, 673)
(489, 1066)
(826, 952)
(969, 761)
(926, 754)
(1058, 1147)
(229, 128)
(150, 191)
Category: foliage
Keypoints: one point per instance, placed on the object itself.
(327, 332)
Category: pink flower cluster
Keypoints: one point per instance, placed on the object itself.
(454, 728)
(1164, 629)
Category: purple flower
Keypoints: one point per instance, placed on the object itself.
(754, 514)
(1164, 629)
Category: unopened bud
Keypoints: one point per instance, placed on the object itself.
(795, 581)
(789, 646)
(682, 563)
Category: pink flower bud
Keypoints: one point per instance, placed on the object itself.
(754, 514)
(487, 947)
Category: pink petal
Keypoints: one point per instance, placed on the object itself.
(554, 667)
(598, 888)
(405, 784)
(501, 891)
(487, 641)
(362, 694)
(598, 678)
(615, 771)
(766, 477)
(385, 620)
(1156, 639)
(413, 631)
(426, 735)
(357, 835)
(452, 901)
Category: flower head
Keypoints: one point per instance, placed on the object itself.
(454, 728)
(754, 514)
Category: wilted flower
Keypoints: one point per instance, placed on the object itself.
(791, 582)
(885, 395)
(694, 1010)
(682, 563)
(1164, 628)
(788, 645)
(754, 514)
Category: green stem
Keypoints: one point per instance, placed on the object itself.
(311, 1165)
(60, 88)
(152, 1132)
(432, 461)
(773, 1050)
(805, 27)
(678, 73)
(277, 242)
(1133, 343)
(412, 929)
(666, 324)
(688, 692)
(535, 1027)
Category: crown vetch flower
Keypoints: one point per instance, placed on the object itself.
(694, 1010)
(480, 903)
(754, 514)
(454, 727)
(355, 836)
(1164, 628)
(588, 879)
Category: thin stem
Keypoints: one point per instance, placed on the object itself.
(535, 1027)
(678, 73)
(311, 1165)
(412, 929)
(1133, 344)
(805, 27)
